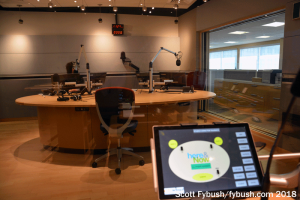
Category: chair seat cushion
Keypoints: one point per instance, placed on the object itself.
(131, 127)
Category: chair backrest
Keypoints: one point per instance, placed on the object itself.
(108, 101)
(197, 79)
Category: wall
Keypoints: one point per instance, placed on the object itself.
(47, 41)
(188, 39)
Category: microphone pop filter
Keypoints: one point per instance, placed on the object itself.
(178, 62)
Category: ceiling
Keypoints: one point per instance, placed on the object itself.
(184, 4)
(254, 28)
(161, 7)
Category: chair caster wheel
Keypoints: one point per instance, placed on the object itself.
(141, 162)
(94, 165)
(118, 171)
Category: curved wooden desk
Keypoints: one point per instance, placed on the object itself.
(75, 124)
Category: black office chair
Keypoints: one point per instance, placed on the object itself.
(110, 102)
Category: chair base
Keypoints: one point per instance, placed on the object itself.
(119, 152)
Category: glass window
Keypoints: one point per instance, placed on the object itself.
(229, 59)
(223, 59)
(215, 60)
(269, 57)
(248, 58)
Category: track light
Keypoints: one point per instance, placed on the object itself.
(144, 7)
(100, 19)
(115, 9)
(175, 7)
(20, 20)
(50, 4)
(82, 7)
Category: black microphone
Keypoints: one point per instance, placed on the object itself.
(178, 62)
(123, 57)
(295, 89)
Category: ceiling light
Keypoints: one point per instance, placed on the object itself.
(274, 24)
(264, 36)
(50, 4)
(238, 32)
(115, 9)
(82, 7)
(144, 8)
(141, 4)
(38, 0)
(150, 11)
(230, 42)
(75, 1)
(175, 7)
(152, 8)
(204, 1)
(109, 5)
(109, 0)
(78, 6)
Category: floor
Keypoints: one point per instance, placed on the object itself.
(28, 171)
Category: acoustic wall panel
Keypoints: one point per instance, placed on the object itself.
(23, 54)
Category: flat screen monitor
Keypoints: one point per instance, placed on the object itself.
(207, 158)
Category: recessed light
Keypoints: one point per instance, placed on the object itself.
(75, 1)
(230, 42)
(152, 8)
(38, 0)
(274, 24)
(78, 6)
(141, 4)
(109, 5)
(263, 36)
(150, 11)
(54, 5)
(238, 32)
(109, 0)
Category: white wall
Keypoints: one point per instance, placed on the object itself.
(47, 41)
(188, 39)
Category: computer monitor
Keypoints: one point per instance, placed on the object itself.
(207, 158)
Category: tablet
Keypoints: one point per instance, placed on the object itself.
(207, 158)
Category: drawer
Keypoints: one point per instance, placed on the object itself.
(273, 102)
(254, 90)
(218, 84)
(220, 99)
(235, 87)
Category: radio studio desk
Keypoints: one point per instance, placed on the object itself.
(75, 124)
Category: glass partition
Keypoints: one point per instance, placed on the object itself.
(244, 70)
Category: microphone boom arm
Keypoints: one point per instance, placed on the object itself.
(151, 66)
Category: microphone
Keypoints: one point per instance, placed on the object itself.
(178, 62)
(123, 57)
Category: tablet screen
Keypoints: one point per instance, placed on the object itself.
(206, 158)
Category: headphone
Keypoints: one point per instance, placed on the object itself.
(76, 97)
